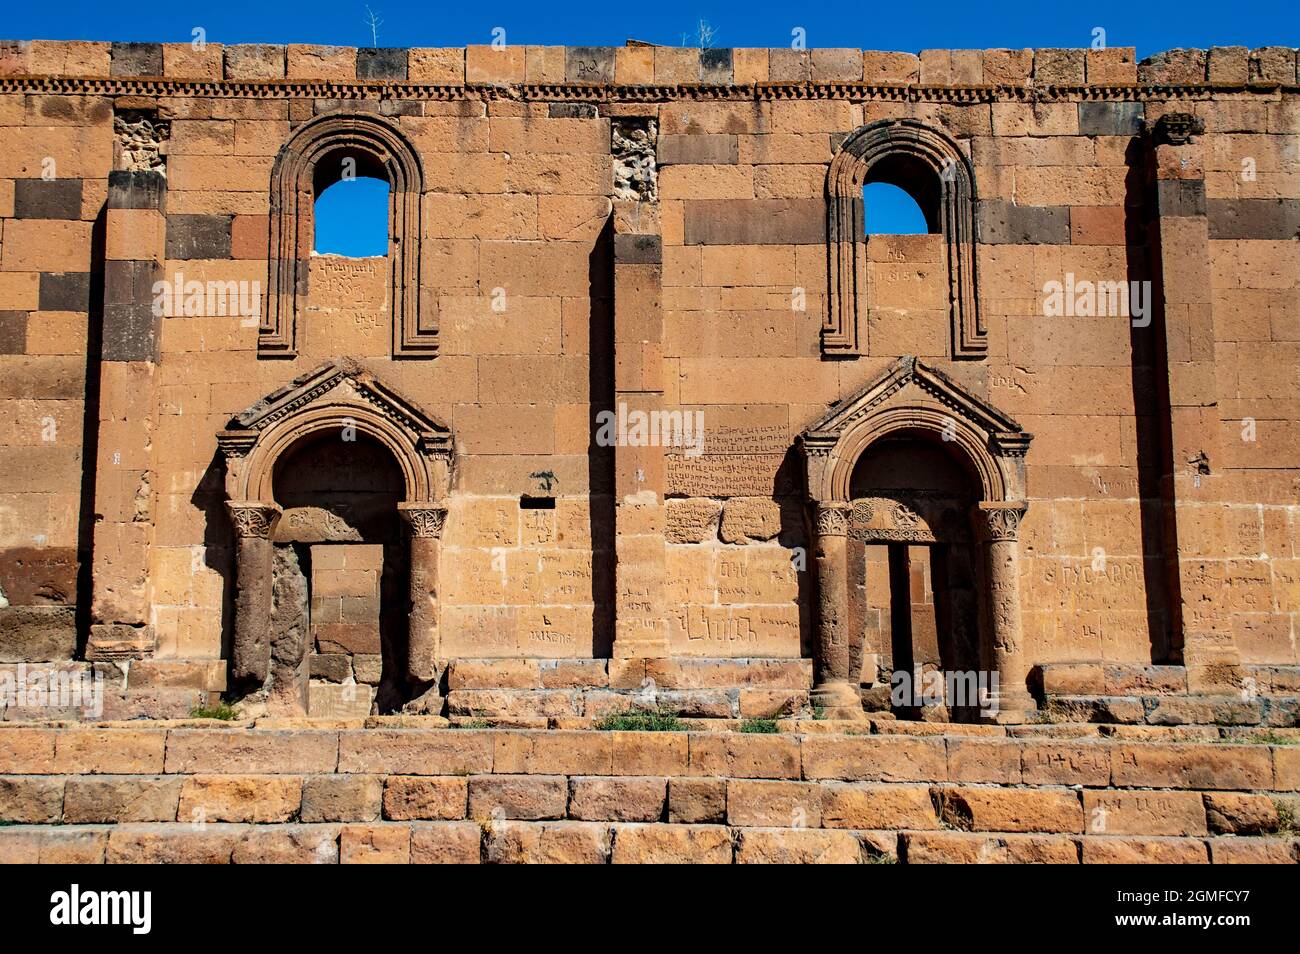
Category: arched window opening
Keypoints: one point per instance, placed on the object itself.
(351, 215)
(889, 210)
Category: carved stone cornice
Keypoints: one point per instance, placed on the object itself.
(1000, 524)
(425, 522)
(611, 93)
(253, 519)
(832, 519)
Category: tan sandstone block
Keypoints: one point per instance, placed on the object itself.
(1138, 851)
(625, 799)
(1009, 809)
(786, 846)
(1144, 813)
(240, 798)
(341, 798)
(116, 799)
(375, 845)
(408, 798)
(765, 804)
(446, 843)
(488, 64)
(524, 797)
(441, 66)
(671, 844)
(878, 806)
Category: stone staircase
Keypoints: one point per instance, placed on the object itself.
(877, 792)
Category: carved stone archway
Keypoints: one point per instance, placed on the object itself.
(337, 395)
(911, 398)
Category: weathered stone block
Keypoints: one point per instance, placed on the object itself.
(409, 798)
(341, 798)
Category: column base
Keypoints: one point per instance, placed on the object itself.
(838, 700)
(1014, 709)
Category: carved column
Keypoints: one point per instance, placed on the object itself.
(424, 524)
(834, 691)
(999, 525)
(254, 523)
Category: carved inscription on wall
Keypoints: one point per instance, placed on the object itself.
(742, 452)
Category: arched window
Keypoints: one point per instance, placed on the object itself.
(929, 167)
(322, 156)
(351, 216)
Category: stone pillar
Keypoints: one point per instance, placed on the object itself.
(254, 523)
(1200, 628)
(125, 481)
(836, 689)
(424, 524)
(999, 526)
(640, 473)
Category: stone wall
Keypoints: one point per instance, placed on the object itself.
(1165, 465)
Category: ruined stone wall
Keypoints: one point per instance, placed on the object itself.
(527, 154)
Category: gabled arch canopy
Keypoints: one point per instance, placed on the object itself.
(912, 397)
(382, 150)
(952, 187)
(336, 395)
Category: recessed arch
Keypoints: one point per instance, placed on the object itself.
(931, 167)
(303, 165)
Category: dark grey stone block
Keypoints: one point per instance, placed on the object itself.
(136, 59)
(589, 64)
(198, 236)
(55, 199)
(1110, 119)
(64, 291)
(131, 332)
(1181, 197)
(1276, 219)
(126, 283)
(137, 190)
(1003, 223)
(381, 63)
(715, 66)
(572, 111)
(638, 249)
(13, 332)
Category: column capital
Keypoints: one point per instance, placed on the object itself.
(832, 518)
(253, 518)
(424, 520)
(999, 523)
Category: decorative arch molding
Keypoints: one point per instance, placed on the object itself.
(293, 182)
(845, 327)
(338, 394)
(912, 397)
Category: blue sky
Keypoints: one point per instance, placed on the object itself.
(1151, 27)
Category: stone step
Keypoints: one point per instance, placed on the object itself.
(1168, 710)
(675, 673)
